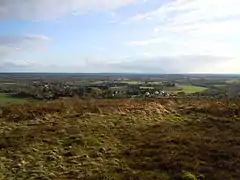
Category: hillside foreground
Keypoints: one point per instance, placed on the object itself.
(182, 139)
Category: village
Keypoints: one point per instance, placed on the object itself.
(52, 87)
(103, 89)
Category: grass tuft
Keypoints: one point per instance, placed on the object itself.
(121, 139)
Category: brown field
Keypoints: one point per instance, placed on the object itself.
(179, 139)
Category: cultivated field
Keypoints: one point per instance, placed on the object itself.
(121, 139)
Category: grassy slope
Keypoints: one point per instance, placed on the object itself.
(121, 139)
(4, 99)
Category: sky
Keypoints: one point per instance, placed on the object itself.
(120, 36)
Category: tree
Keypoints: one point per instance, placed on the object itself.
(181, 93)
(96, 92)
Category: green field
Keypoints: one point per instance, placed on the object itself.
(156, 83)
(188, 89)
(146, 87)
(5, 99)
(97, 82)
(220, 85)
(236, 80)
(191, 89)
(143, 82)
(131, 82)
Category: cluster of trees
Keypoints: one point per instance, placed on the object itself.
(217, 87)
(51, 92)
(234, 90)
(37, 92)
(230, 91)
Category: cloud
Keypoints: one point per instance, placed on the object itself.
(11, 46)
(192, 27)
(47, 9)
(98, 48)
(16, 40)
(13, 66)
(179, 36)
(185, 11)
(139, 17)
(145, 42)
(196, 17)
(147, 64)
(156, 29)
(171, 64)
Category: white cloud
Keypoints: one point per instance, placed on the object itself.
(98, 48)
(13, 66)
(45, 9)
(139, 17)
(171, 64)
(147, 64)
(189, 11)
(195, 27)
(156, 29)
(11, 46)
(145, 42)
(215, 16)
(187, 35)
(220, 17)
(25, 63)
(14, 41)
